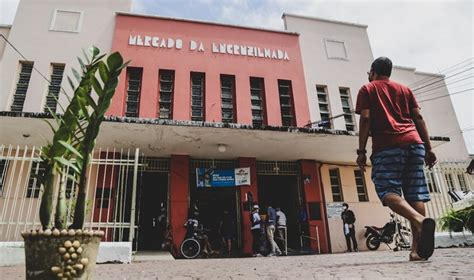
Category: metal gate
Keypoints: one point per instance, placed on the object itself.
(111, 192)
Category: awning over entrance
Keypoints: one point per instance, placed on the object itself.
(163, 138)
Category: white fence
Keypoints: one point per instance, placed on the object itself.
(111, 192)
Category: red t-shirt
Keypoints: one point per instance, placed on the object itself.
(390, 104)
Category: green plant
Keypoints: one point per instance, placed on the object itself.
(74, 137)
(457, 220)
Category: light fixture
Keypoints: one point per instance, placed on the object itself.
(307, 179)
(221, 148)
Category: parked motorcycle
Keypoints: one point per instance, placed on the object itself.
(392, 231)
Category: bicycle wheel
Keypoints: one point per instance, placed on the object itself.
(190, 248)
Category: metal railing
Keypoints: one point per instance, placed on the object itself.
(111, 192)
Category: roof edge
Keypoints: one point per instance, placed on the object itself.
(419, 72)
(6, 26)
(324, 20)
(208, 22)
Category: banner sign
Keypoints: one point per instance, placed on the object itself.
(222, 177)
(334, 209)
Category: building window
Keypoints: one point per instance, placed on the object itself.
(22, 86)
(227, 97)
(462, 182)
(324, 108)
(361, 187)
(256, 99)
(134, 86)
(449, 181)
(166, 94)
(34, 185)
(3, 174)
(432, 183)
(198, 83)
(335, 184)
(54, 87)
(347, 108)
(286, 103)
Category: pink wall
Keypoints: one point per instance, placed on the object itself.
(184, 61)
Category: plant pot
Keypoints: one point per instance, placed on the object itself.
(61, 255)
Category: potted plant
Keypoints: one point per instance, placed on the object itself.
(58, 250)
(457, 220)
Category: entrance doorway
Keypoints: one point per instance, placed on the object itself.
(212, 203)
(282, 191)
(152, 204)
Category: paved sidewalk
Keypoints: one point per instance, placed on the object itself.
(454, 263)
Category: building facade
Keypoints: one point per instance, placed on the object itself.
(206, 96)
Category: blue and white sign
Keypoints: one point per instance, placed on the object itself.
(222, 177)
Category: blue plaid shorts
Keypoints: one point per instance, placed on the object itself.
(400, 170)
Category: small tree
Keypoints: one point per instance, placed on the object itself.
(75, 134)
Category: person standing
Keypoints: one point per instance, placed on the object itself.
(401, 146)
(256, 231)
(281, 226)
(348, 220)
(271, 226)
(227, 230)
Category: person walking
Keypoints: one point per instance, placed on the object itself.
(227, 230)
(348, 220)
(256, 231)
(401, 146)
(281, 226)
(271, 226)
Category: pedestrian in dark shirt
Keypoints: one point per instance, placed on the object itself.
(348, 220)
(400, 148)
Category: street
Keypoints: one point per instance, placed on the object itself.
(453, 263)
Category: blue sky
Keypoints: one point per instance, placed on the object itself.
(428, 35)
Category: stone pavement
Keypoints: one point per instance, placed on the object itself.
(454, 263)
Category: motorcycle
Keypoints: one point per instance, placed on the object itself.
(392, 231)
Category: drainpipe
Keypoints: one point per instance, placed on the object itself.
(321, 192)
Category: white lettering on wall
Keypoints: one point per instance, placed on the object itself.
(218, 48)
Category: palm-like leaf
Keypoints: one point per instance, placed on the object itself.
(77, 129)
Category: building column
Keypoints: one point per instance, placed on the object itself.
(179, 194)
(244, 206)
(149, 94)
(315, 202)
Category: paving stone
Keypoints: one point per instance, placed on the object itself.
(454, 263)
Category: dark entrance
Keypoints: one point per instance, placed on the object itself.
(282, 191)
(152, 201)
(212, 203)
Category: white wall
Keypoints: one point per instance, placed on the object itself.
(438, 113)
(32, 36)
(334, 73)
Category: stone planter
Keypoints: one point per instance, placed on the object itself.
(66, 254)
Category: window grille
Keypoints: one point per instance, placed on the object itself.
(431, 182)
(278, 168)
(22, 86)
(324, 108)
(449, 181)
(156, 164)
(286, 103)
(211, 163)
(54, 87)
(34, 185)
(166, 94)
(134, 84)
(3, 174)
(256, 99)
(347, 109)
(197, 96)
(462, 182)
(336, 185)
(361, 186)
(227, 97)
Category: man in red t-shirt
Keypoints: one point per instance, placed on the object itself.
(400, 147)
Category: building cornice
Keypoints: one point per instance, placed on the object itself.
(324, 20)
(207, 23)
